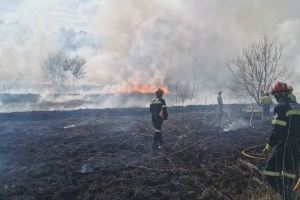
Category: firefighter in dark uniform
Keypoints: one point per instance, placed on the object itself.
(220, 106)
(282, 166)
(158, 109)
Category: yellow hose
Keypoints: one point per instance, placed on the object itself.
(297, 186)
(245, 153)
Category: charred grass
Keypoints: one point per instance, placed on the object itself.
(42, 159)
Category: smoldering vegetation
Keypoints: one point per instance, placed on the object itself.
(107, 154)
(92, 97)
(58, 101)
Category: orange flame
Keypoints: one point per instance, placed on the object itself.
(140, 89)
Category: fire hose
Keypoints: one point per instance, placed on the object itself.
(246, 153)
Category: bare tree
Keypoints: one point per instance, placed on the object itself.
(185, 91)
(258, 66)
(57, 67)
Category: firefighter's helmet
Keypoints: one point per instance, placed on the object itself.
(159, 92)
(279, 88)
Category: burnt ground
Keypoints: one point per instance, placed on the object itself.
(42, 154)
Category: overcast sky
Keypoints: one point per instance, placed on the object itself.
(155, 42)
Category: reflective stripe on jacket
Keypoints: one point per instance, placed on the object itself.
(286, 122)
(158, 107)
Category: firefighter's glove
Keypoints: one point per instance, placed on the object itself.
(267, 149)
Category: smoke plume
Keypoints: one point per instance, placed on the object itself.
(137, 42)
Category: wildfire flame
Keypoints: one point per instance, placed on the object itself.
(140, 89)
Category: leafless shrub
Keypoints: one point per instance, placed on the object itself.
(185, 91)
(57, 67)
(258, 66)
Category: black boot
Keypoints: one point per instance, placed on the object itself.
(156, 140)
(160, 140)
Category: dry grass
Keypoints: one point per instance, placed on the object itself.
(261, 194)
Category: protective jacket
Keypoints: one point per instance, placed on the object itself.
(286, 123)
(158, 109)
(266, 100)
(284, 159)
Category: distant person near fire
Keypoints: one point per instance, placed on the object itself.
(282, 166)
(158, 109)
(220, 106)
(292, 97)
(266, 102)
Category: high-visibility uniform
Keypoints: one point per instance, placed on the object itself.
(266, 102)
(158, 109)
(282, 166)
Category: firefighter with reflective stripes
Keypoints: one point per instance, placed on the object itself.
(158, 109)
(282, 166)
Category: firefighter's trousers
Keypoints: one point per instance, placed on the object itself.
(157, 122)
(282, 168)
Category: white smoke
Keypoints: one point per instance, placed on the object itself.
(137, 41)
(236, 125)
